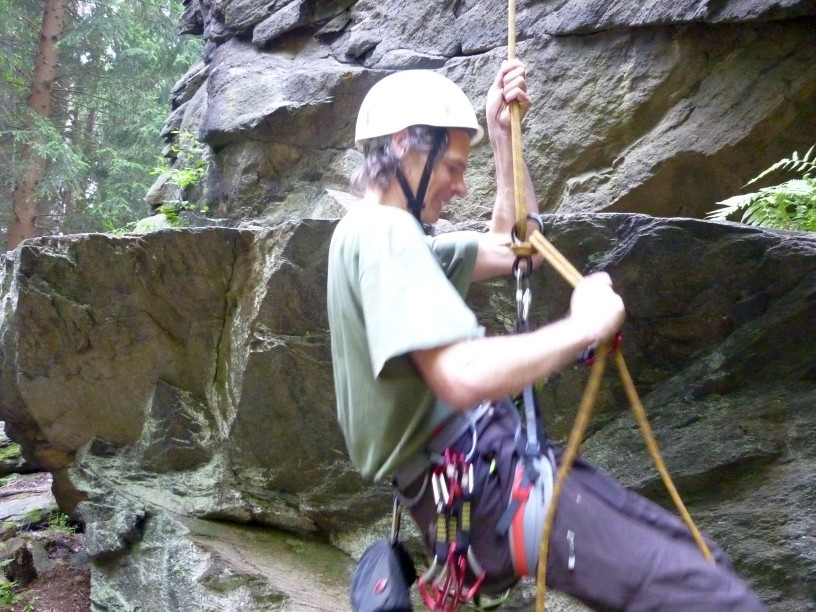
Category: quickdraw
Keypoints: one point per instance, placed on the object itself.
(445, 584)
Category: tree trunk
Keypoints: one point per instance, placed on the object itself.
(24, 200)
(88, 134)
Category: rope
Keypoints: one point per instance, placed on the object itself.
(571, 451)
(654, 452)
(572, 276)
(566, 269)
(515, 132)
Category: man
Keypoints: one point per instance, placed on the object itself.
(411, 363)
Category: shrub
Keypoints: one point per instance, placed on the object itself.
(790, 205)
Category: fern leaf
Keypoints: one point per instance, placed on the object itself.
(730, 206)
(777, 166)
(794, 164)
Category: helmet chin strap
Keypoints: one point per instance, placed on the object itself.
(416, 201)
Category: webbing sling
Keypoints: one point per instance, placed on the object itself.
(531, 490)
(561, 265)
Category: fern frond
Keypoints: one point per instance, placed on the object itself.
(794, 164)
(731, 206)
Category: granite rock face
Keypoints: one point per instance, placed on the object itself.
(185, 374)
(661, 108)
(177, 384)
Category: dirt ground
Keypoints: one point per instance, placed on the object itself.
(64, 582)
(61, 589)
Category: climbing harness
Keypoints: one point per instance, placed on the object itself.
(596, 357)
(455, 574)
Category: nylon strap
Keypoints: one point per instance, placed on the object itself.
(416, 201)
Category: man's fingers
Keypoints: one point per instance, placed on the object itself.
(518, 95)
(514, 86)
(510, 85)
(600, 277)
(515, 80)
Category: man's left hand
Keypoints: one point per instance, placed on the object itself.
(510, 85)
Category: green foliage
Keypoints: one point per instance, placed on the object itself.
(189, 166)
(188, 169)
(8, 596)
(790, 205)
(8, 589)
(33, 517)
(172, 211)
(62, 523)
(68, 168)
(118, 60)
(10, 451)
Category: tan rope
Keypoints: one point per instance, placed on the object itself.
(572, 276)
(570, 452)
(511, 29)
(654, 452)
(515, 132)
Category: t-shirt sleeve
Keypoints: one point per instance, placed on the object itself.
(456, 252)
(408, 301)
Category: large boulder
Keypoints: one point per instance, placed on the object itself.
(660, 107)
(185, 374)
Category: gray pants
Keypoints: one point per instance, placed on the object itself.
(609, 547)
(630, 554)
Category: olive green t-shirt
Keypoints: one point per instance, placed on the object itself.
(392, 290)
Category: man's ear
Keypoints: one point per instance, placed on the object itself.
(399, 143)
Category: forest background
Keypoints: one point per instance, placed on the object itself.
(84, 90)
(84, 87)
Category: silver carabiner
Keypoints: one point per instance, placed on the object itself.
(523, 299)
(396, 519)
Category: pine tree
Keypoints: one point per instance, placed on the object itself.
(39, 102)
(117, 61)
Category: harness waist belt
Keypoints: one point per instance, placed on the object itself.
(449, 432)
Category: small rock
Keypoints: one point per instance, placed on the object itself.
(21, 569)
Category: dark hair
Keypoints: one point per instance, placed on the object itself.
(381, 160)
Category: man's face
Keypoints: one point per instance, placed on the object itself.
(448, 176)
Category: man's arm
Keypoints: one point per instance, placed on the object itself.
(465, 373)
(494, 257)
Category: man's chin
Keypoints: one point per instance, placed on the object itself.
(430, 217)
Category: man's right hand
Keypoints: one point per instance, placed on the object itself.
(595, 308)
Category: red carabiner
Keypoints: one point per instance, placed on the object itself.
(588, 356)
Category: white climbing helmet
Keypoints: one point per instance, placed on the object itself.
(414, 97)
